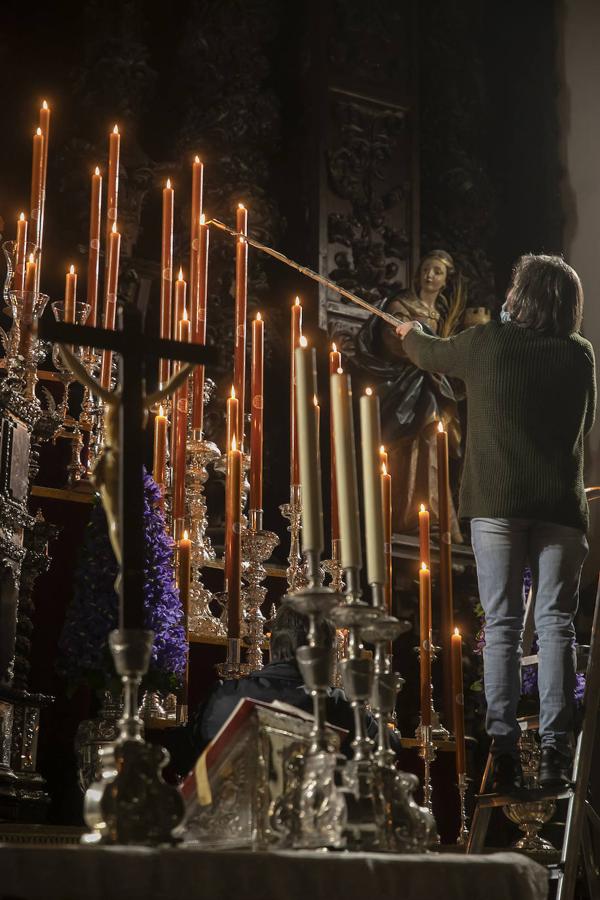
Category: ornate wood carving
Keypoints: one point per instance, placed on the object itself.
(368, 195)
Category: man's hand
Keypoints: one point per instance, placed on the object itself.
(403, 329)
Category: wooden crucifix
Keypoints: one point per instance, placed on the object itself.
(129, 409)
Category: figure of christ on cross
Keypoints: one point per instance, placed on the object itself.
(118, 473)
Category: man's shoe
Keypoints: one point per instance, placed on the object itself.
(556, 768)
(507, 774)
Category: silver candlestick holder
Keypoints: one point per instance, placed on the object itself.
(70, 426)
(428, 755)
(91, 412)
(131, 804)
(404, 827)
(463, 834)
(201, 453)
(438, 731)
(357, 674)
(257, 548)
(333, 568)
(318, 817)
(292, 511)
(26, 308)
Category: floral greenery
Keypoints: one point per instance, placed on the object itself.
(93, 613)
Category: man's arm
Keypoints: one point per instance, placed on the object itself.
(446, 355)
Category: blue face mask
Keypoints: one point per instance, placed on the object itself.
(505, 314)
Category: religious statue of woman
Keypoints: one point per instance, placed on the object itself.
(414, 401)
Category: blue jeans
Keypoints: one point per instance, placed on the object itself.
(555, 555)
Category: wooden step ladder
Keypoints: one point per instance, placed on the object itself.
(582, 821)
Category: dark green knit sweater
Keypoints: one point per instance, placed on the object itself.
(531, 399)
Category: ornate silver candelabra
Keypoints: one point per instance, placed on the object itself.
(333, 568)
(201, 453)
(463, 833)
(319, 814)
(131, 804)
(357, 673)
(70, 427)
(403, 826)
(292, 511)
(257, 547)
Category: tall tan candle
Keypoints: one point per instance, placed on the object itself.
(20, 253)
(459, 702)
(94, 246)
(112, 198)
(370, 432)
(233, 540)
(347, 486)
(166, 275)
(37, 179)
(308, 449)
(70, 295)
(425, 643)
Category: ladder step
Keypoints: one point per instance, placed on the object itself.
(555, 871)
(525, 795)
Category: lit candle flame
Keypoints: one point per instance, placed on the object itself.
(38, 131)
(185, 315)
(297, 301)
(333, 347)
(22, 217)
(315, 400)
(383, 469)
(440, 426)
(31, 259)
(258, 317)
(116, 129)
(196, 159)
(180, 276)
(186, 536)
(422, 507)
(168, 183)
(303, 341)
(423, 567)
(161, 411)
(241, 206)
(96, 171)
(202, 219)
(114, 228)
(44, 104)
(456, 631)
(71, 270)
(369, 392)
(232, 392)
(233, 443)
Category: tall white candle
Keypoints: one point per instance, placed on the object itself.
(308, 448)
(370, 435)
(347, 487)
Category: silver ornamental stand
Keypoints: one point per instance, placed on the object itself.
(131, 804)
(296, 576)
(404, 827)
(357, 673)
(257, 548)
(201, 454)
(319, 816)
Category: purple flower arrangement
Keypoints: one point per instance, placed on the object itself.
(93, 613)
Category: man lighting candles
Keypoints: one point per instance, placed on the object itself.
(531, 396)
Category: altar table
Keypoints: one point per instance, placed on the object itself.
(138, 873)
